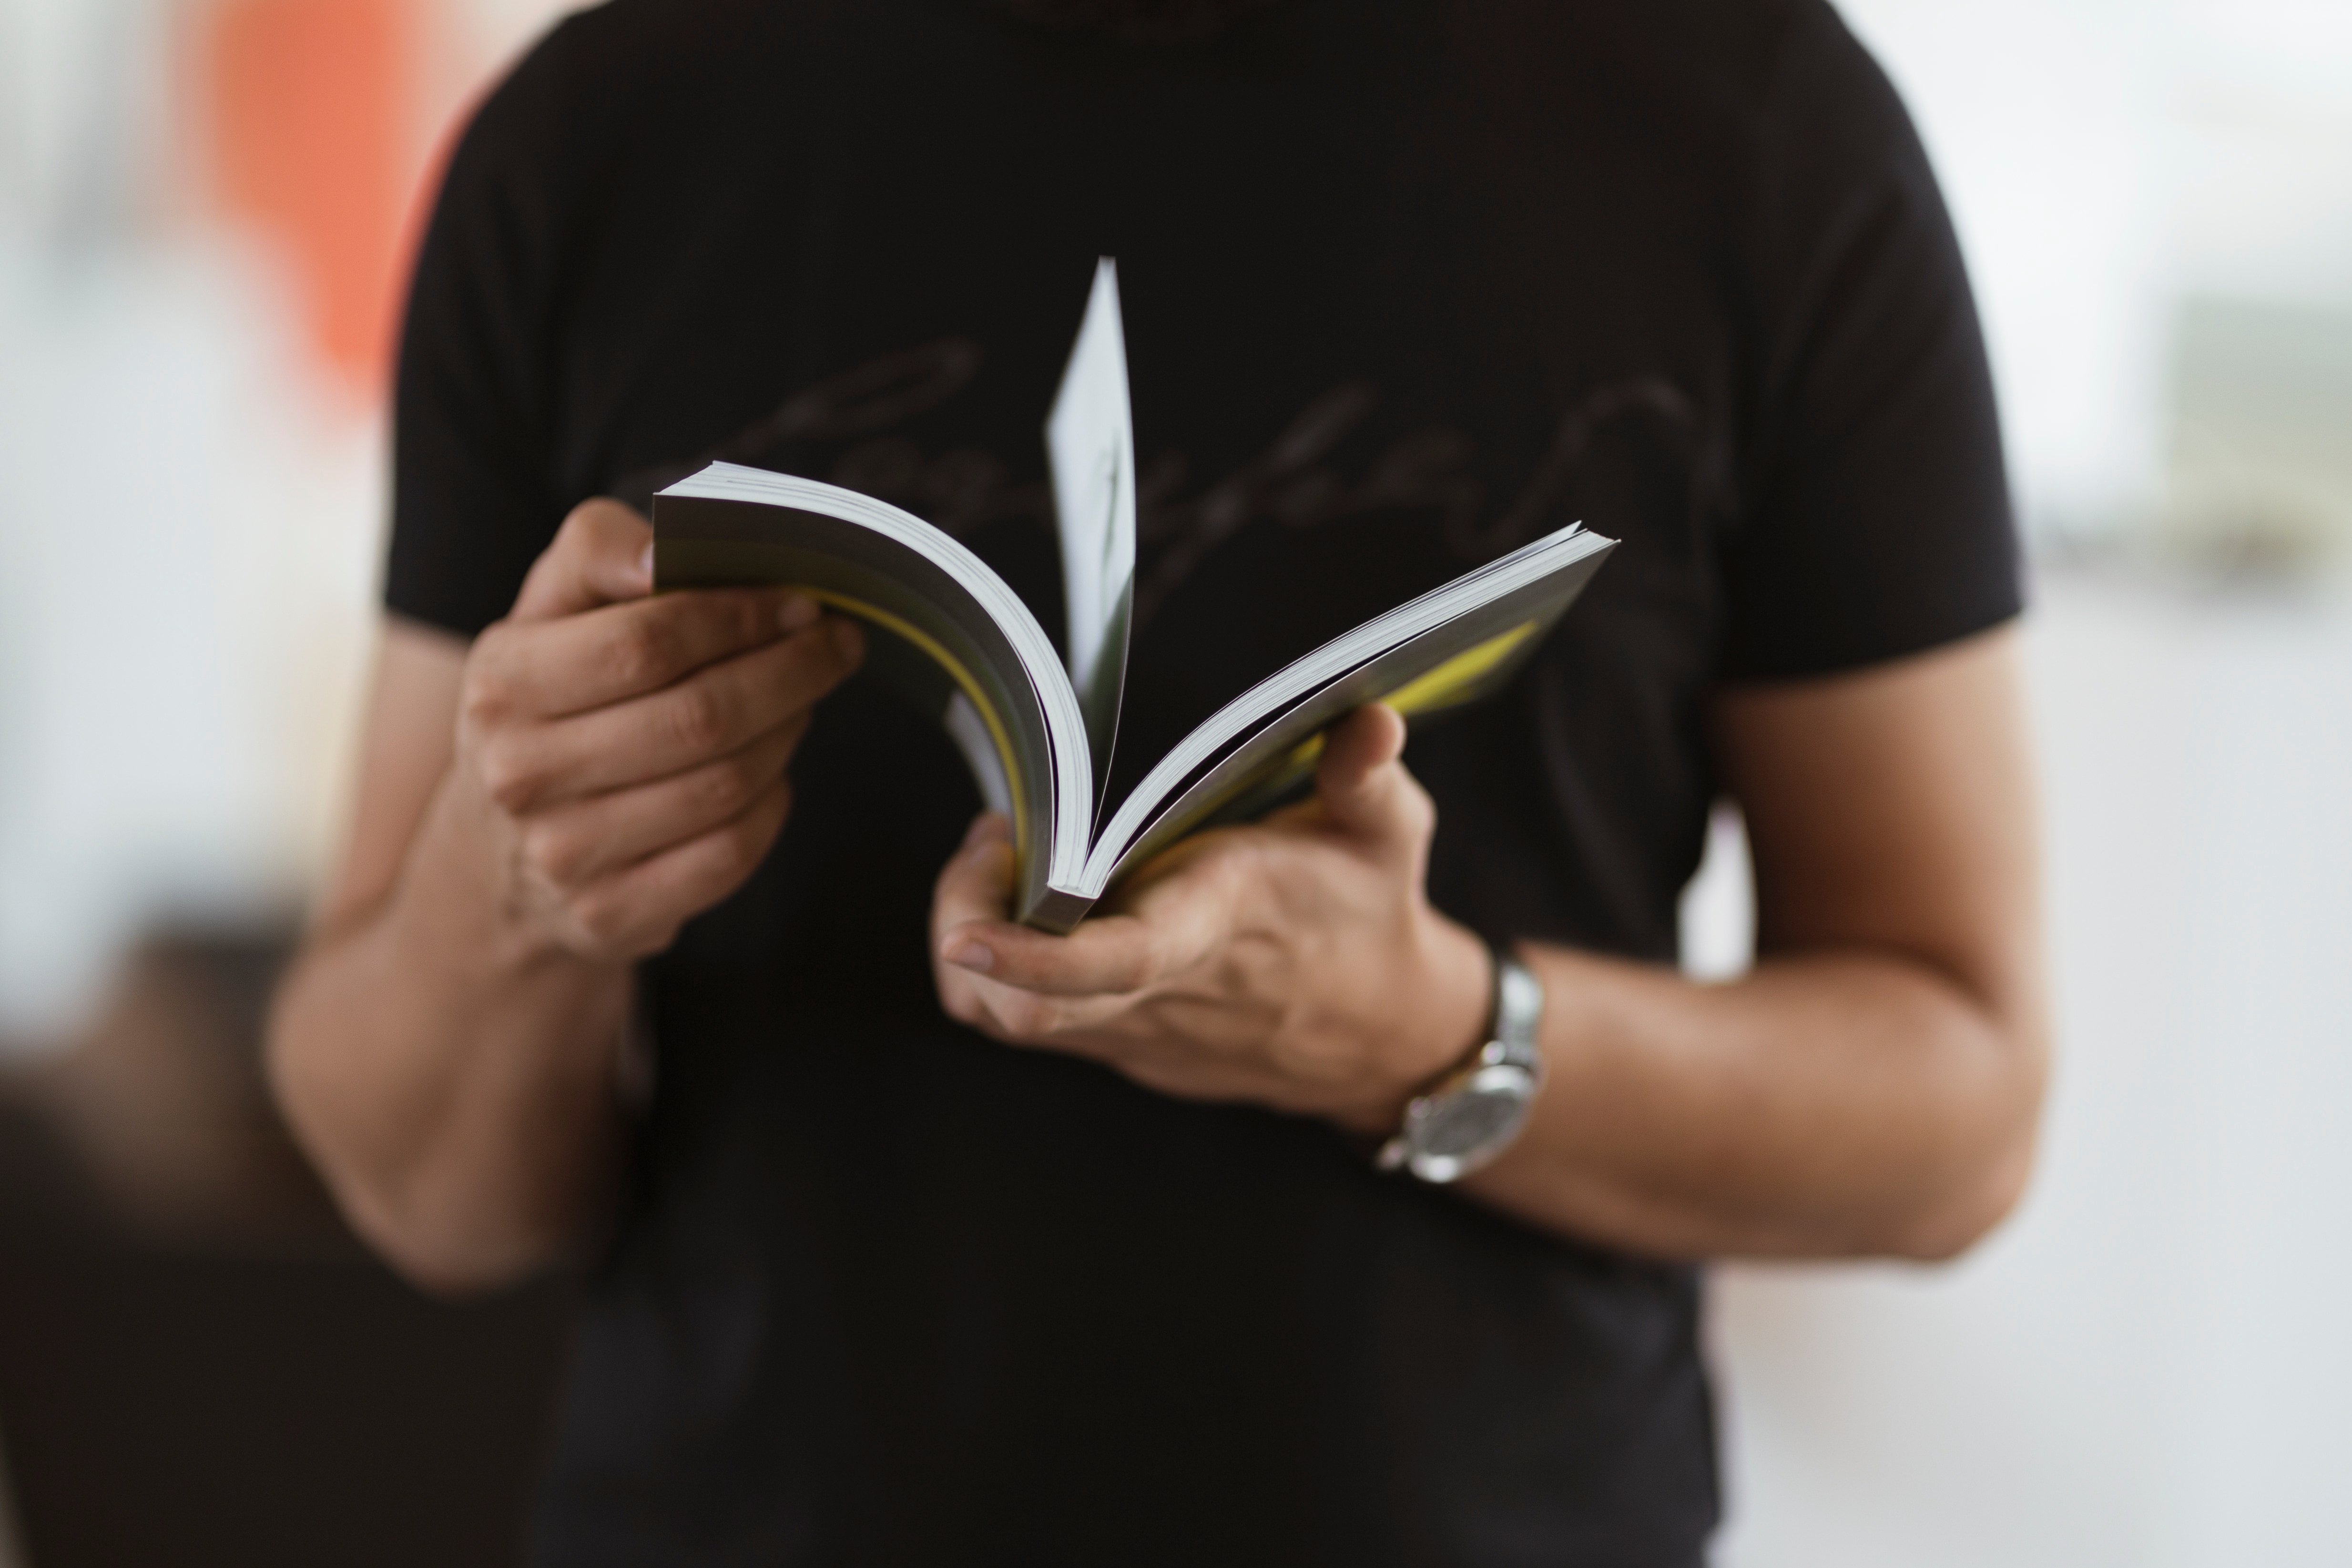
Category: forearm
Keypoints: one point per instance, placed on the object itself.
(452, 1075)
(541, 808)
(1872, 1088)
(1838, 1103)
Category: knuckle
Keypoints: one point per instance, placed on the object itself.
(749, 834)
(788, 738)
(572, 535)
(483, 705)
(642, 652)
(843, 655)
(726, 786)
(1421, 807)
(1025, 1015)
(698, 718)
(487, 695)
(950, 884)
(606, 923)
(556, 854)
(592, 519)
(509, 777)
(615, 929)
(580, 519)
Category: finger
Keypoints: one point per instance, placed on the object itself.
(714, 711)
(550, 669)
(602, 555)
(637, 910)
(1361, 782)
(975, 887)
(1109, 955)
(972, 906)
(582, 840)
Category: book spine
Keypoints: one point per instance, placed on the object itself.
(1057, 912)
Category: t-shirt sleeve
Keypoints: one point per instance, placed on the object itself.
(1876, 518)
(473, 501)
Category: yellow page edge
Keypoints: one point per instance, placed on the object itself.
(964, 682)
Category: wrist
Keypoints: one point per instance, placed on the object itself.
(1437, 1018)
(1472, 1117)
(457, 902)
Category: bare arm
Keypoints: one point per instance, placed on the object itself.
(1872, 1088)
(536, 812)
(1873, 1084)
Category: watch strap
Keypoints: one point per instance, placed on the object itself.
(1518, 1013)
(1514, 1019)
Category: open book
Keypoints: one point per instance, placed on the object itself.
(1037, 730)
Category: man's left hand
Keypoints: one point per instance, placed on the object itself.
(1294, 964)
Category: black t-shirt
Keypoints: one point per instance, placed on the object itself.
(1405, 284)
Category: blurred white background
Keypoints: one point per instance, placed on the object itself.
(2147, 1368)
(2144, 1368)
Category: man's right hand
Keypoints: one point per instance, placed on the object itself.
(535, 812)
(621, 757)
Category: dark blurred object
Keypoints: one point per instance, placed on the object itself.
(198, 1364)
(162, 1123)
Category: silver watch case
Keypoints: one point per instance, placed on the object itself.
(1480, 1108)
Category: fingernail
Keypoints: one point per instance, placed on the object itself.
(982, 831)
(798, 610)
(973, 956)
(646, 564)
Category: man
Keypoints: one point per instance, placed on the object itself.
(915, 1237)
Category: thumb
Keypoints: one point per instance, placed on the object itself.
(603, 554)
(1362, 784)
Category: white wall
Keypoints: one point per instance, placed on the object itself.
(189, 514)
(2044, 119)
(2148, 1366)
(185, 549)
(2106, 160)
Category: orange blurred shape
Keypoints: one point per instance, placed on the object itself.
(312, 142)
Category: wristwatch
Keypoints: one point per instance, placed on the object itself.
(1475, 1110)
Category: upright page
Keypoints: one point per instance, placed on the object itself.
(1090, 447)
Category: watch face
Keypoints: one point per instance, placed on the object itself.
(1461, 1131)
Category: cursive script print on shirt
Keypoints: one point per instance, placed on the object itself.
(1294, 482)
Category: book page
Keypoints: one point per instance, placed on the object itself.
(1090, 446)
(962, 645)
(1449, 647)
